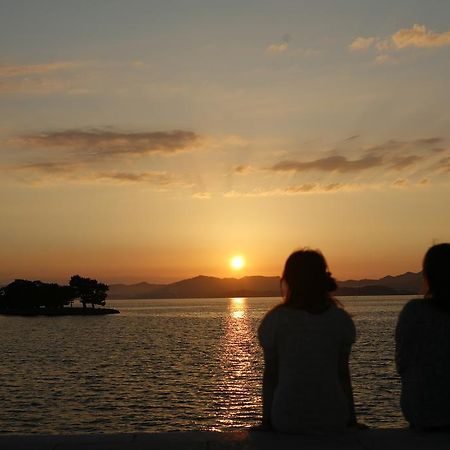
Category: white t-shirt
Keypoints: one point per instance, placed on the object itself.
(307, 347)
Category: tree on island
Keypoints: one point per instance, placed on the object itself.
(26, 294)
(89, 290)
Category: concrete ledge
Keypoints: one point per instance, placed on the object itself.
(376, 439)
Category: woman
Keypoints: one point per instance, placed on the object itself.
(307, 342)
(423, 346)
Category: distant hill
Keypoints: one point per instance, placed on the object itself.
(408, 283)
(259, 286)
(139, 290)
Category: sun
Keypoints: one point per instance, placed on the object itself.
(237, 262)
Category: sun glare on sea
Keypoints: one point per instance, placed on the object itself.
(237, 262)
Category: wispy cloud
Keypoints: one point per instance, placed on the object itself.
(401, 162)
(329, 164)
(148, 177)
(51, 173)
(50, 168)
(11, 70)
(298, 189)
(351, 157)
(400, 182)
(349, 166)
(96, 143)
(41, 78)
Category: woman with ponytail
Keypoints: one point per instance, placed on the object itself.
(306, 342)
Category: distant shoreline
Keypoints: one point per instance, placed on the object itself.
(58, 312)
(259, 286)
(408, 294)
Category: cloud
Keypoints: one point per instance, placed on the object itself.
(385, 58)
(299, 189)
(54, 168)
(401, 162)
(329, 164)
(361, 43)
(415, 37)
(245, 169)
(419, 36)
(40, 78)
(352, 138)
(57, 172)
(350, 166)
(401, 182)
(443, 165)
(10, 70)
(202, 195)
(278, 48)
(394, 146)
(98, 143)
(149, 177)
(42, 85)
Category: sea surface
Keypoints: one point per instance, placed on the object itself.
(165, 365)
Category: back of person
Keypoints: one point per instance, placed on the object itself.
(307, 341)
(309, 396)
(423, 362)
(423, 347)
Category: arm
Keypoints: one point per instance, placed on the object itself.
(270, 380)
(346, 382)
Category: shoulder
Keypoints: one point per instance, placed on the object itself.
(269, 322)
(344, 323)
(410, 317)
(273, 314)
(413, 307)
(341, 314)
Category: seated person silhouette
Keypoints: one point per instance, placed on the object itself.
(423, 347)
(306, 342)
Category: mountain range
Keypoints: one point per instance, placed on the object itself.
(202, 286)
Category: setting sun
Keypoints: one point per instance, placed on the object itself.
(237, 262)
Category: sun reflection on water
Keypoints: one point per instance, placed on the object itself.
(238, 365)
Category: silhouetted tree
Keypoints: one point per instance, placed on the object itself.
(89, 290)
(26, 294)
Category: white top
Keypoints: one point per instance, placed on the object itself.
(307, 347)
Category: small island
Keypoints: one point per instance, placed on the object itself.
(36, 298)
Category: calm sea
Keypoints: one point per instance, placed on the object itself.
(165, 365)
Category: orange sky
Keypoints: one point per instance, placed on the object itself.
(144, 142)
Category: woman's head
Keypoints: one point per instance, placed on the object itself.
(307, 280)
(436, 271)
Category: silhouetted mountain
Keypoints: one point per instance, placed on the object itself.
(370, 290)
(138, 290)
(202, 286)
(259, 286)
(409, 282)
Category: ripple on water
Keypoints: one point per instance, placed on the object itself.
(169, 365)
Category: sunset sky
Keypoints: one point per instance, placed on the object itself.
(153, 140)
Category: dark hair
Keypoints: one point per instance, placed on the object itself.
(308, 281)
(436, 271)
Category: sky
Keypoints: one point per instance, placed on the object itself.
(153, 140)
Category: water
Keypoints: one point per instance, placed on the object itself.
(165, 365)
